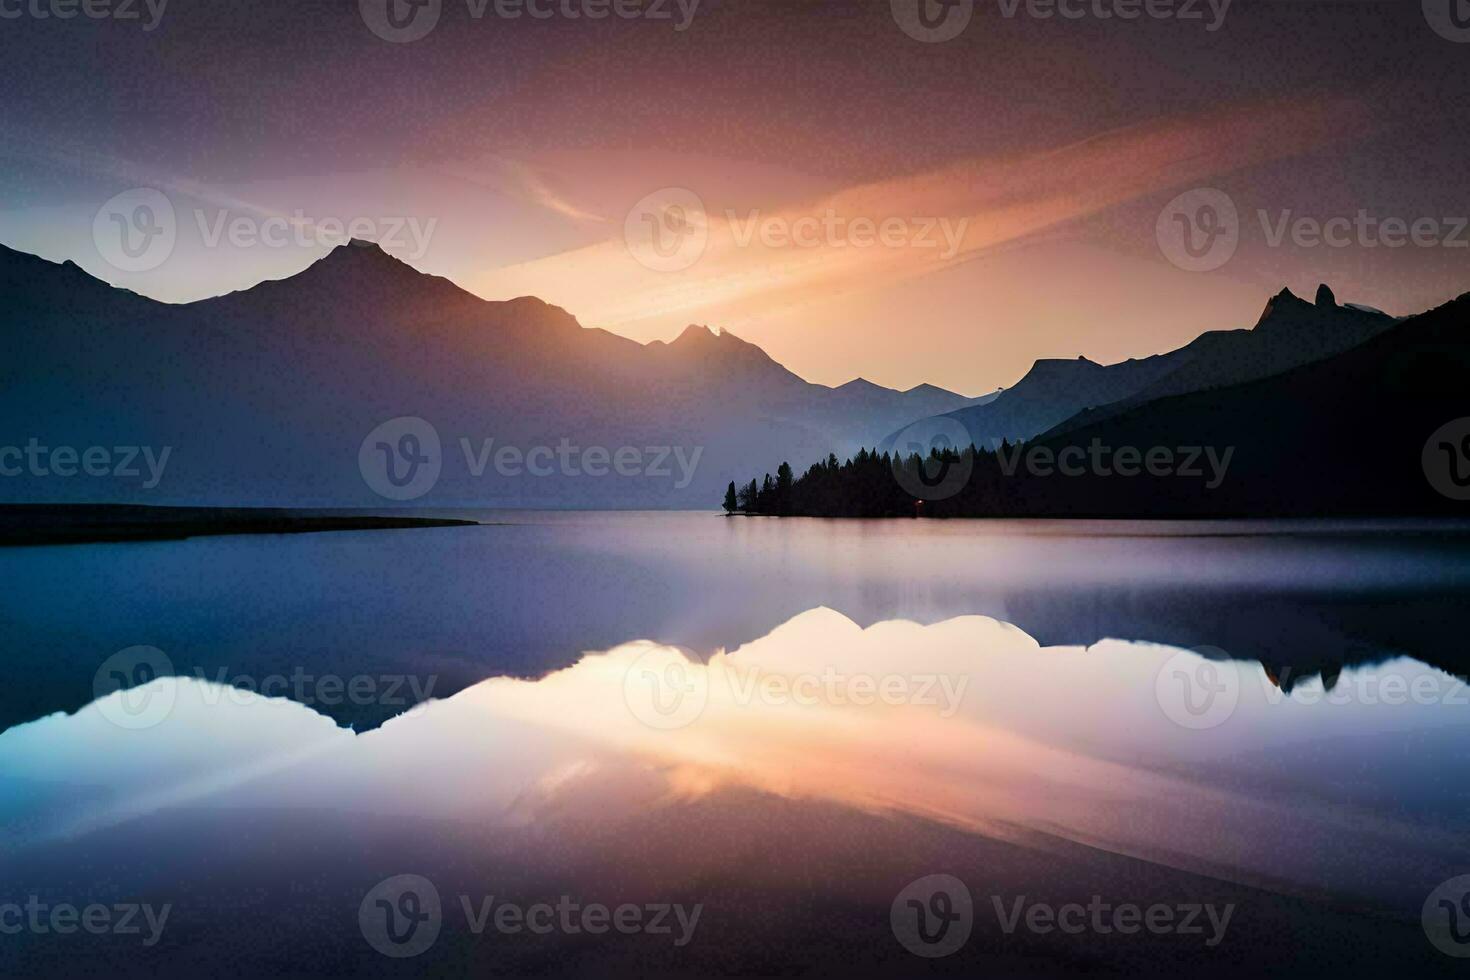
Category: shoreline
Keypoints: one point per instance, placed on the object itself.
(24, 525)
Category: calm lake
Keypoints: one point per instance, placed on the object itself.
(752, 744)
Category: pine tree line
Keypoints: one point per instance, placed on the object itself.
(970, 483)
(869, 484)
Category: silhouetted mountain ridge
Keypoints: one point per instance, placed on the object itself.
(1290, 331)
(1300, 443)
(1306, 442)
(266, 393)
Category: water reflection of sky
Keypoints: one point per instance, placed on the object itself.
(968, 722)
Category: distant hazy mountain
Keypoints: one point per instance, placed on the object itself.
(1053, 391)
(265, 396)
(1289, 332)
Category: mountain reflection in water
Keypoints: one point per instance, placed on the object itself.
(967, 723)
(464, 604)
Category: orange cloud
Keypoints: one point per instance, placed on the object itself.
(756, 263)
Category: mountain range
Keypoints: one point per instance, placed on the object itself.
(271, 396)
(265, 395)
(1359, 433)
(1289, 332)
(1378, 426)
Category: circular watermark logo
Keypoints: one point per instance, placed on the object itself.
(933, 916)
(944, 466)
(1199, 230)
(668, 230)
(142, 678)
(401, 21)
(1446, 459)
(401, 916)
(136, 231)
(932, 21)
(1446, 917)
(401, 459)
(1449, 18)
(663, 689)
(1197, 691)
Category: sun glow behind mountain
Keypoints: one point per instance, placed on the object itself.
(1033, 197)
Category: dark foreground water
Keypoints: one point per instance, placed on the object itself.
(635, 744)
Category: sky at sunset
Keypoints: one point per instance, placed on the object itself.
(856, 201)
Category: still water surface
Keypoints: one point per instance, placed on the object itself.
(782, 721)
